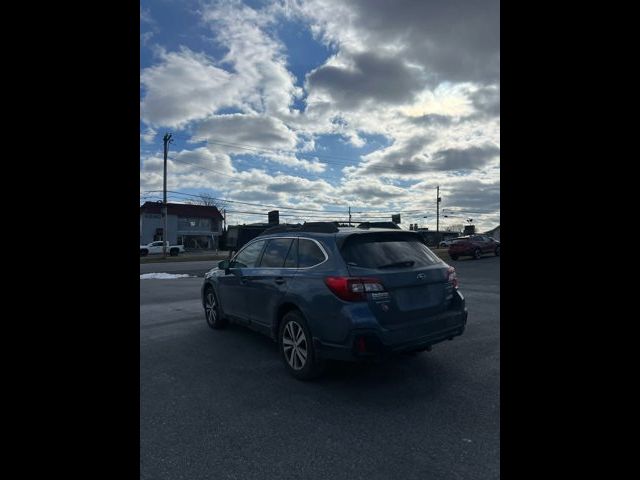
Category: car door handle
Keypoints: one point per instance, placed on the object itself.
(279, 280)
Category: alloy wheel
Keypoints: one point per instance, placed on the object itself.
(211, 308)
(294, 344)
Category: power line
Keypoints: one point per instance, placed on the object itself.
(255, 204)
(300, 215)
(200, 166)
(368, 214)
(292, 208)
(365, 213)
(235, 177)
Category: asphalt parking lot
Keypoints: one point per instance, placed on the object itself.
(219, 404)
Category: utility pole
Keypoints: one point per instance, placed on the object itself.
(166, 140)
(349, 216)
(438, 214)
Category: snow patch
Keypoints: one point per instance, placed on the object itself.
(163, 276)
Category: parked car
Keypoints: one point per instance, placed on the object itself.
(156, 247)
(337, 293)
(474, 246)
(446, 243)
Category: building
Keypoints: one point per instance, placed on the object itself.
(238, 235)
(495, 233)
(194, 226)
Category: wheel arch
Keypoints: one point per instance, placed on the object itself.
(284, 308)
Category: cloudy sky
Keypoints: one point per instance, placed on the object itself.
(320, 105)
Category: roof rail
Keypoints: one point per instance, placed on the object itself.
(317, 227)
(320, 227)
(281, 228)
(367, 225)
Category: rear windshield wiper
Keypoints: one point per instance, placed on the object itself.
(406, 263)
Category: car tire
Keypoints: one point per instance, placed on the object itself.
(477, 254)
(212, 313)
(300, 359)
(497, 252)
(144, 253)
(454, 257)
(174, 252)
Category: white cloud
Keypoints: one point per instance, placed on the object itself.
(425, 75)
(185, 86)
(149, 135)
(257, 57)
(145, 16)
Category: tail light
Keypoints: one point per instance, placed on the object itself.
(453, 277)
(353, 289)
(361, 345)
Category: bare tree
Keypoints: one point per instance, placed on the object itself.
(208, 201)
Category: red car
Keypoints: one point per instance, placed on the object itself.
(474, 246)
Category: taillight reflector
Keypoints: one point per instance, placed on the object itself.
(353, 289)
(453, 277)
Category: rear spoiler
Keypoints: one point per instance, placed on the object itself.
(386, 232)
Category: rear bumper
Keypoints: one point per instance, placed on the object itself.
(381, 343)
(460, 252)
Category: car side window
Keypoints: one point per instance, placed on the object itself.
(292, 257)
(249, 256)
(309, 254)
(275, 253)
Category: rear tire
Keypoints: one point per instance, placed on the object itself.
(454, 257)
(497, 252)
(477, 253)
(144, 253)
(296, 347)
(173, 252)
(212, 312)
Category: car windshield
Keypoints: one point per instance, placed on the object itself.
(387, 250)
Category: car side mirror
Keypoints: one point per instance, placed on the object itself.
(224, 265)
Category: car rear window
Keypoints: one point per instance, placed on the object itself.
(309, 254)
(378, 250)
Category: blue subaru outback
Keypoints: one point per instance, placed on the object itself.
(324, 292)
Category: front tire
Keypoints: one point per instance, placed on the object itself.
(477, 254)
(454, 257)
(173, 252)
(296, 347)
(144, 253)
(497, 252)
(212, 310)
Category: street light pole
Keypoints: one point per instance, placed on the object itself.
(438, 214)
(166, 140)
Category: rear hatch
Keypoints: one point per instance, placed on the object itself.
(415, 280)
